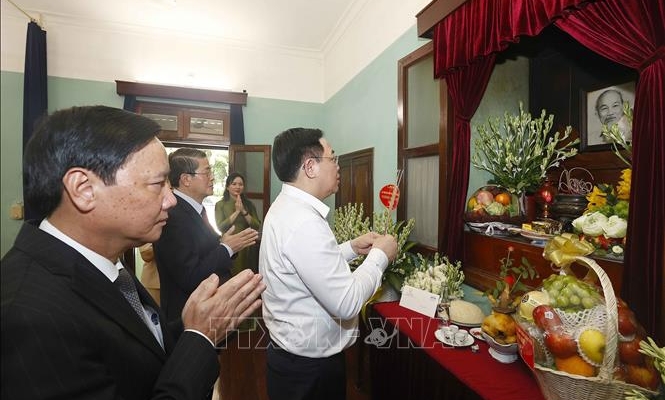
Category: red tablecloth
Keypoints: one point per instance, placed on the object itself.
(489, 378)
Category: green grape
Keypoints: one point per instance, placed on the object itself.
(562, 301)
(575, 300)
(567, 292)
(556, 284)
(588, 302)
(621, 209)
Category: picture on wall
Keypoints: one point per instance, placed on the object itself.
(604, 106)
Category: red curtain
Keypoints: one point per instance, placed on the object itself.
(630, 33)
(466, 89)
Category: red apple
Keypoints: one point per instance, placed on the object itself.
(546, 318)
(629, 352)
(645, 376)
(560, 343)
(627, 321)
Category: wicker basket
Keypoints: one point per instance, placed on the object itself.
(559, 385)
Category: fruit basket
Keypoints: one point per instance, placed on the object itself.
(493, 203)
(560, 385)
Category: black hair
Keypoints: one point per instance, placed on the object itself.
(183, 161)
(97, 138)
(291, 148)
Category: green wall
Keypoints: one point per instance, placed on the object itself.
(11, 145)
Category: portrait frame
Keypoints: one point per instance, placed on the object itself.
(590, 119)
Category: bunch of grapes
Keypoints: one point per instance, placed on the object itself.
(571, 294)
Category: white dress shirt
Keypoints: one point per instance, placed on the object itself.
(312, 300)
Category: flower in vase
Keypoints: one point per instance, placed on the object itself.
(519, 152)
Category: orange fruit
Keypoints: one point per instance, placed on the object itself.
(503, 198)
(575, 365)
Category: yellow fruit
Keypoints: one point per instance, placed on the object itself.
(591, 343)
(472, 203)
(575, 365)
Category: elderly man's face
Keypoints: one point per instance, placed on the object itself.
(135, 208)
(610, 108)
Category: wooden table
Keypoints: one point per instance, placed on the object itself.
(412, 364)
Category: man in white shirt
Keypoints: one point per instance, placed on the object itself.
(312, 299)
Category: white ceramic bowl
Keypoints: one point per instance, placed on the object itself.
(505, 353)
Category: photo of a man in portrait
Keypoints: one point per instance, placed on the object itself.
(605, 107)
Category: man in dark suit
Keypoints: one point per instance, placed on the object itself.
(189, 250)
(99, 174)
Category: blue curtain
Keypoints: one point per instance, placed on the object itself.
(35, 95)
(130, 103)
(237, 125)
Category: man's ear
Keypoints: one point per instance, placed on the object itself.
(311, 168)
(79, 186)
(185, 179)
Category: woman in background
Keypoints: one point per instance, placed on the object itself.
(235, 209)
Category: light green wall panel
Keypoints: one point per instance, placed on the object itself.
(11, 147)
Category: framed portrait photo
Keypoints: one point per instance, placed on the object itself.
(603, 106)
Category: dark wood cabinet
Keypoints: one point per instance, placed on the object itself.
(482, 255)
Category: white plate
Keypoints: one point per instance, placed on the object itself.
(466, 325)
(477, 333)
(535, 235)
(439, 335)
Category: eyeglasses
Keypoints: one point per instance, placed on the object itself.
(207, 173)
(332, 158)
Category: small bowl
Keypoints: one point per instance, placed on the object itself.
(505, 353)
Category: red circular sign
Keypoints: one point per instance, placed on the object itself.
(389, 196)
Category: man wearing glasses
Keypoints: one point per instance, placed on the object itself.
(312, 299)
(189, 250)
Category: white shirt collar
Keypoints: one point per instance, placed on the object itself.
(318, 205)
(103, 264)
(197, 206)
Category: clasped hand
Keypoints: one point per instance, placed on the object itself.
(216, 310)
(386, 243)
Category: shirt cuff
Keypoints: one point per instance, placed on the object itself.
(228, 248)
(379, 258)
(347, 251)
(199, 333)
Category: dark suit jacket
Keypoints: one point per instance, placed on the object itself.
(68, 333)
(187, 253)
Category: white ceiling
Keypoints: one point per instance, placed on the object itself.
(303, 50)
(296, 24)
